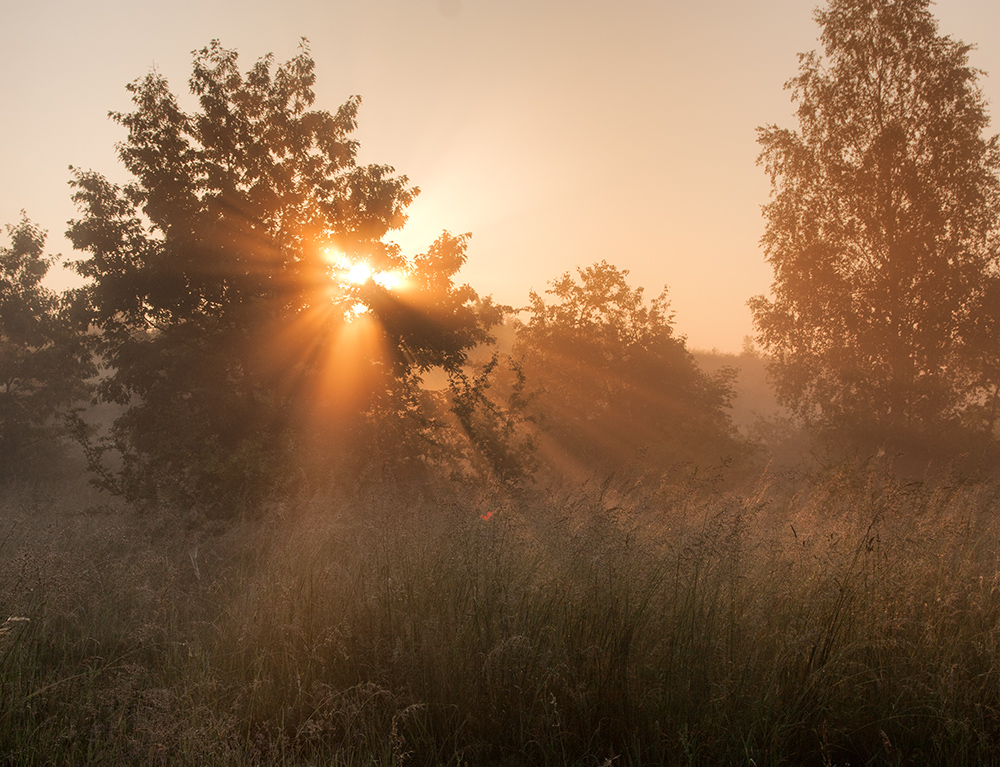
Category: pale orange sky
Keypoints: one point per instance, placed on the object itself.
(558, 132)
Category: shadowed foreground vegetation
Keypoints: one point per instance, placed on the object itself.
(843, 618)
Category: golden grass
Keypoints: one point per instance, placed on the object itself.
(845, 618)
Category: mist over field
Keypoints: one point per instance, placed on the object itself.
(277, 487)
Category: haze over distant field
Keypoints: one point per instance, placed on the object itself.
(559, 133)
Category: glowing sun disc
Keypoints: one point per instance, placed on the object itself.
(359, 273)
(347, 270)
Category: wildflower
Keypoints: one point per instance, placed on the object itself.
(485, 517)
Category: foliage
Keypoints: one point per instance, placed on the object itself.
(881, 230)
(220, 278)
(615, 382)
(492, 405)
(43, 363)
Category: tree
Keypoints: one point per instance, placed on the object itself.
(242, 283)
(882, 232)
(617, 386)
(43, 363)
(492, 407)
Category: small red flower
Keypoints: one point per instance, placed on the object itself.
(486, 516)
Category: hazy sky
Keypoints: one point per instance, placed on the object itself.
(557, 132)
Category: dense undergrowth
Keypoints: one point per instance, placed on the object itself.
(847, 617)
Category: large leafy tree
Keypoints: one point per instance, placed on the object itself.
(44, 364)
(617, 388)
(239, 280)
(881, 229)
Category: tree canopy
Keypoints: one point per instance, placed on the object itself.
(882, 231)
(617, 387)
(245, 270)
(44, 364)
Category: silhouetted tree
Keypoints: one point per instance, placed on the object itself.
(44, 364)
(224, 282)
(617, 386)
(882, 224)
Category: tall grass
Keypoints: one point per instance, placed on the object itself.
(845, 619)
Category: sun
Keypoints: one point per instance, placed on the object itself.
(336, 355)
(359, 273)
(352, 271)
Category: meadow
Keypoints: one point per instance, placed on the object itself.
(841, 616)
